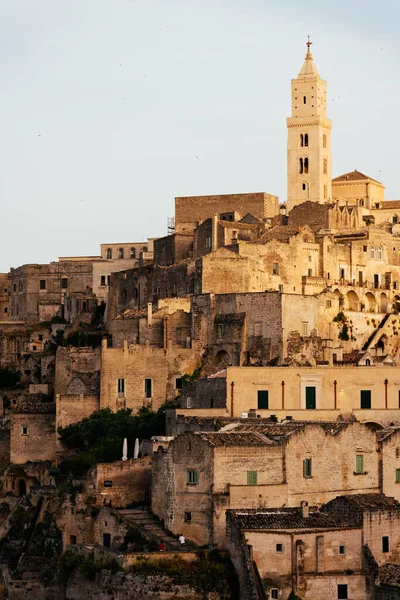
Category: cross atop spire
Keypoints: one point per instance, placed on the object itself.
(308, 44)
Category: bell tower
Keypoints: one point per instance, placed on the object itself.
(309, 167)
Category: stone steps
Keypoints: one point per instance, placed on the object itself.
(151, 528)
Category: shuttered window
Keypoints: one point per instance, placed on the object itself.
(251, 477)
(262, 399)
(307, 467)
(359, 463)
(365, 397)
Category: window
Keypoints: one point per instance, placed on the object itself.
(108, 280)
(304, 329)
(107, 540)
(262, 399)
(188, 402)
(5, 309)
(178, 383)
(220, 331)
(64, 283)
(188, 517)
(133, 252)
(342, 549)
(208, 241)
(192, 477)
(304, 99)
(275, 268)
(15, 287)
(279, 548)
(103, 280)
(385, 543)
(379, 254)
(328, 303)
(109, 253)
(306, 165)
(372, 252)
(309, 272)
(257, 328)
(40, 337)
(42, 284)
(251, 477)
(306, 139)
(341, 273)
(365, 397)
(274, 593)
(325, 192)
(121, 387)
(325, 166)
(121, 253)
(72, 540)
(365, 249)
(397, 452)
(148, 385)
(24, 430)
(301, 140)
(324, 140)
(359, 463)
(301, 166)
(397, 475)
(311, 403)
(395, 220)
(307, 467)
(304, 187)
(342, 592)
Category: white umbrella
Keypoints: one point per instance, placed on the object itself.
(136, 450)
(125, 450)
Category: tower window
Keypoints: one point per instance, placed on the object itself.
(304, 100)
(121, 253)
(306, 165)
(325, 166)
(301, 140)
(306, 139)
(325, 192)
(109, 253)
(324, 140)
(304, 186)
(301, 166)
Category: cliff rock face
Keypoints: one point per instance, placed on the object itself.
(127, 586)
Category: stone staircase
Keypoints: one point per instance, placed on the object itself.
(151, 528)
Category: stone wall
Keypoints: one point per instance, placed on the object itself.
(33, 435)
(77, 371)
(208, 392)
(240, 557)
(71, 409)
(123, 482)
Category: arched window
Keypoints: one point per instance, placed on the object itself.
(304, 100)
(304, 187)
(379, 254)
(301, 140)
(306, 139)
(133, 252)
(121, 253)
(109, 253)
(372, 252)
(306, 165)
(301, 168)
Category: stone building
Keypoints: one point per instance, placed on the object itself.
(32, 432)
(317, 553)
(4, 297)
(265, 464)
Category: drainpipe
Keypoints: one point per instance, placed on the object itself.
(232, 394)
(335, 393)
(283, 395)
(386, 393)
(166, 333)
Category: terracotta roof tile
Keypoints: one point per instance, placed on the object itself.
(389, 575)
(235, 439)
(286, 518)
(354, 176)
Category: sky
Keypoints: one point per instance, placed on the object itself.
(111, 108)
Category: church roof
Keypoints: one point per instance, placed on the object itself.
(308, 69)
(355, 176)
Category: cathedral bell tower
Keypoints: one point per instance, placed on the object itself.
(309, 169)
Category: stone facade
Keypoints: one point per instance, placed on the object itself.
(32, 433)
(123, 482)
(4, 297)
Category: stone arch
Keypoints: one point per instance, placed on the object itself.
(370, 302)
(352, 302)
(222, 359)
(383, 302)
(373, 425)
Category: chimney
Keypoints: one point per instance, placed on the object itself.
(305, 509)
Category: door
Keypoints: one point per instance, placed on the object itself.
(310, 398)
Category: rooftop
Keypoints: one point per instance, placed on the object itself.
(355, 176)
(389, 575)
(286, 518)
(249, 439)
(368, 501)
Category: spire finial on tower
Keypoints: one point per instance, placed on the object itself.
(308, 44)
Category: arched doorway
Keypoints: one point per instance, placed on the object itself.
(352, 302)
(384, 303)
(370, 302)
(222, 359)
(22, 487)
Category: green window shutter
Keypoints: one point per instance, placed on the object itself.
(251, 477)
(310, 397)
(397, 475)
(307, 467)
(192, 477)
(365, 396)
(262, 398)
(359, 463)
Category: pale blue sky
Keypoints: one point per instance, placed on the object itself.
(111, 108)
